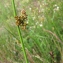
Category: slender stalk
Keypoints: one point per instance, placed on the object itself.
(14, 9)
(19, 32)
(23, 47)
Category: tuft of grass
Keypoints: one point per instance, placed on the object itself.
(43, 36)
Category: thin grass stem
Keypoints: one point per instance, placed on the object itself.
(19, 32)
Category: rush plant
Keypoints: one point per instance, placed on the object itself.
(20, 21)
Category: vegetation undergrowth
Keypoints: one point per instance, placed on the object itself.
(42, 36)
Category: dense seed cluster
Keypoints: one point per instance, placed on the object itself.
(20, 20)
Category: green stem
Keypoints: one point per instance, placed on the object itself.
(23, 47)
(19, 32)
(14, 9)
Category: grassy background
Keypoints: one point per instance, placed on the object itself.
(43, 36)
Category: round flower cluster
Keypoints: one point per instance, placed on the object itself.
(20, 20)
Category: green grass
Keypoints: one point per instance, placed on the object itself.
(42, 38)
